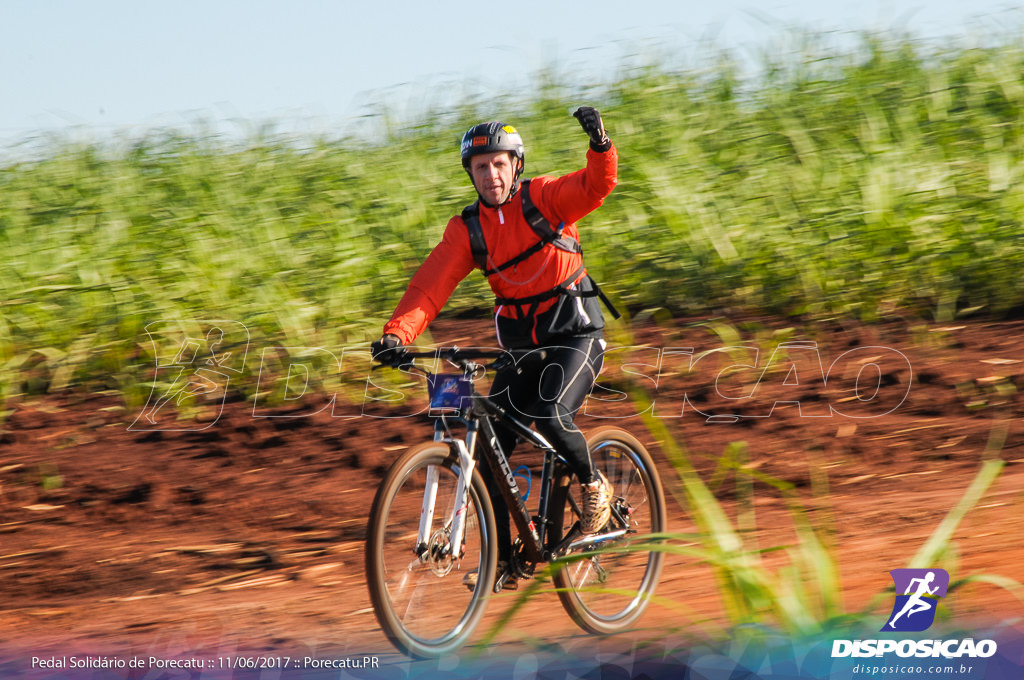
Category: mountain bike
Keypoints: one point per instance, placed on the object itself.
(432, 521)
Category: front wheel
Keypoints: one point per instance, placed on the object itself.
(605, 589)
(414, 572)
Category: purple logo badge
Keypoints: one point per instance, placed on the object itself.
(917, 596)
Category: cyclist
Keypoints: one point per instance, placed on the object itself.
(522, 233)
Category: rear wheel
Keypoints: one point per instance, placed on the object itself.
(607, 585)
(417, 588)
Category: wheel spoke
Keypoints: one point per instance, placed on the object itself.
(422, 604)
(607, 591)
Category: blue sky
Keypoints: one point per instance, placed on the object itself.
(118, 65)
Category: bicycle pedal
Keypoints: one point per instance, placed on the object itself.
(505, 582)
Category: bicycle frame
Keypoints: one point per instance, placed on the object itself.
(477, 424)
(533, 530)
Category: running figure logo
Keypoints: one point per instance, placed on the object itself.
(914, 610)
(195, 361)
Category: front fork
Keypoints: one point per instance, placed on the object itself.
(457, 527)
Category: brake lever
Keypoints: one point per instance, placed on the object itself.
(506, 360)
(400, 361)
(502, 363)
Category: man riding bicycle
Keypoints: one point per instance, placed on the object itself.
(522, 233)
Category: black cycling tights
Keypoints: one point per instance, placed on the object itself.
(547, 394)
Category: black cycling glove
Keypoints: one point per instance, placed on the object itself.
(590, 120)
(387, 350)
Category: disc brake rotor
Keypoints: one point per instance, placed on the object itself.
(439, 555)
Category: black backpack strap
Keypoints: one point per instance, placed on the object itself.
(539, 245)
(477, 243)
(538, 223)
(604, 298)
(561, 289)
(541, 226)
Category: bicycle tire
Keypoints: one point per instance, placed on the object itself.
(421, 603)
(606, 590)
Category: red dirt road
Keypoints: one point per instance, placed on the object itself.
(247, 534)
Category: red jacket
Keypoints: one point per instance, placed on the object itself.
(560, 199)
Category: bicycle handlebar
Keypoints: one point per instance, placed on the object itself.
(464, 358)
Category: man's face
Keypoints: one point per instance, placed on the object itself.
(493, 175)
